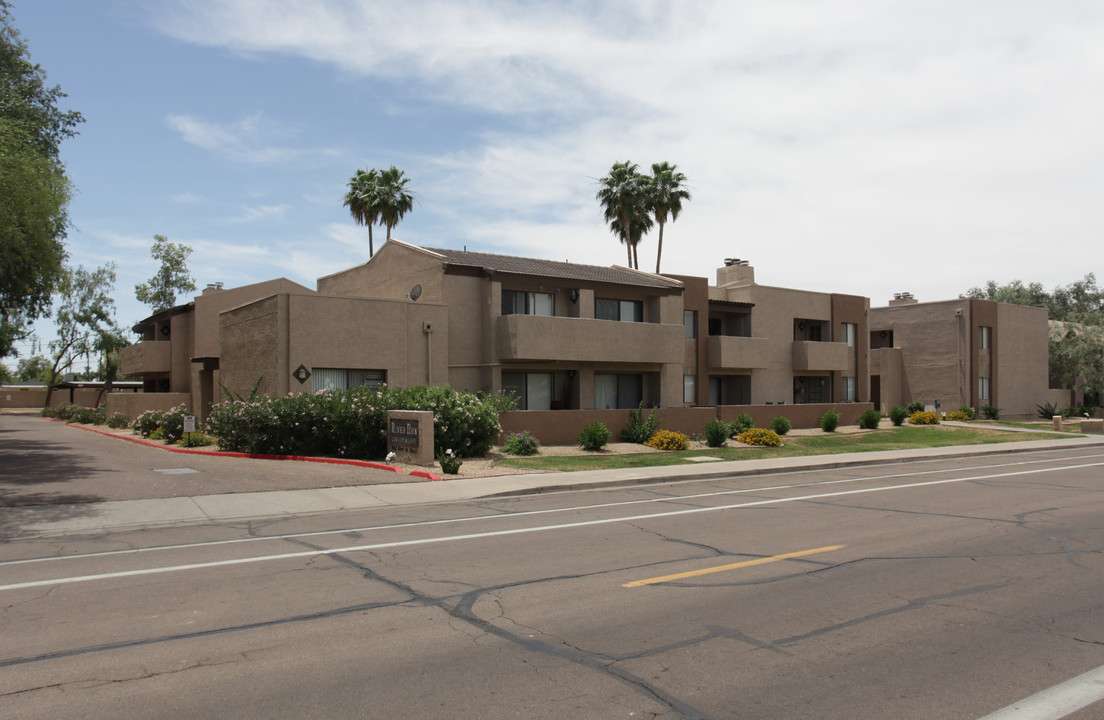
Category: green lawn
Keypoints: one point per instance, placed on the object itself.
(827, 444)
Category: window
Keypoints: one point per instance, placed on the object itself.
(850, 389)
(849, 332)
(983, 389)
(533, 390)
(985, 337)
(689, 324)
(689, 388)
(613, 392)
(623, 310)
(340, 379)
(516, 302)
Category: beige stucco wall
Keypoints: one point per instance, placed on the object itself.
(934, 340)
(1022, 354)
(391, 273)
(213, 301)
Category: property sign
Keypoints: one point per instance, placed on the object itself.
(189, 423)
(403, 433)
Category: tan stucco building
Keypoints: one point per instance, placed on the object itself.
(560, 335)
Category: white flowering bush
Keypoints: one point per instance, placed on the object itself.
(353, 423)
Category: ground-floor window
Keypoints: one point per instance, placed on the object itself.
(341, 379)
(533, 390)
(621, 391)
(850, 389)
(689, 388)
(811, 389)
(984, 389)
(730, 390)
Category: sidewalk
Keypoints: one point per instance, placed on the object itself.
(93, 518)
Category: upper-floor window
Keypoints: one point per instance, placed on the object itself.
(985, 337)
(623, 310)
(849, 331)
(518, 302)
(689, 324)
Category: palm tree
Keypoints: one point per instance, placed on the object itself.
(362, 200)
(394, 199)
(624, 197)
(667, 194)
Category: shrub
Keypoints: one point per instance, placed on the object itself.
(450, 463)
(869, 419)
(716, 433)
(990, 412)
(781, 425)
(148, 421)
(742, 422)
(117, 421)
(195, 439)
(959, 416)
(62, 412)
(640, 429)
(1049, 410)
(668, 440)
(924, 417)
(172, 424)
(521, 443)
(915, 406)
(968, 411)
(760, 436)
(829, 421)
(594, 436)
(87, 416)
(897, 415)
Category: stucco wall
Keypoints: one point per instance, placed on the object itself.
(249, 336)
(934, 339)
(1022, 354)
(391, 273)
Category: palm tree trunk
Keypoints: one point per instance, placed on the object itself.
(628, 249)
(659, 249)
(371, 251)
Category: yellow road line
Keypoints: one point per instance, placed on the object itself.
(733, 566)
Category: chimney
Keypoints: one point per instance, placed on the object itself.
(735, 272)
(213, 286)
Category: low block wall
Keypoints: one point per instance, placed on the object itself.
(134, 404)
(36, 397)
(561, 427)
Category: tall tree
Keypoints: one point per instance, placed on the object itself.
(34, 188)
(33, 368)
(667, 194)
(160, 291)
(395, 201)
(624, 195)
(83, 316)
(362, 199)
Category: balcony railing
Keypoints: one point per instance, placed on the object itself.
(146, 358)
(820, 356)
(741, 353)
(535, 337)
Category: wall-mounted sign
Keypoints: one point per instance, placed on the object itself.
(403, 433)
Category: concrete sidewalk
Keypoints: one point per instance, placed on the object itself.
(92, 518)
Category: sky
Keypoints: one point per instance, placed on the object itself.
(855, 146)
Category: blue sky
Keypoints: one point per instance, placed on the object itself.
(859, 146)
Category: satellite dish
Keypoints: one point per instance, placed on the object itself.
(415, 292)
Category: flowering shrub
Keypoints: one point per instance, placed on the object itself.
(148, 421)
(968, 411)
(760, 436)
(195, 439)
(162, 425)
(522, 443)
(923, 417)
(450, 463)
(87, 416)
(668, 440)
(117, 421)
(353, 423)
(959, 416)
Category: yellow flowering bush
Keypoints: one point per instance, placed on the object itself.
(923, 417)
(760, 436)
(959, 416)
(668, 440)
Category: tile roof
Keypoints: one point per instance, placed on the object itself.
(554, 269)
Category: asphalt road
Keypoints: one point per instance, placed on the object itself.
(914, 590)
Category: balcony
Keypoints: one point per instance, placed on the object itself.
(820, 356)
(146, 358)
(738, 353)
(535, 337)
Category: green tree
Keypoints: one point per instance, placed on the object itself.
(160, 291)
(33, 368)
(394, 200)
(362, 199)
(6, 375)
(667, 192)
(1077, 357)
(34, 189)
(83, 316)
(624, 195)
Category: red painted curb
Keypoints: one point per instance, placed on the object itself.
(426, 474)
(253, 456)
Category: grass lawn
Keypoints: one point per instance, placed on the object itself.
(900, 438)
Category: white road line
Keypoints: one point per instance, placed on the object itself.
(527, 513)
(515, 531)
(1058, 701)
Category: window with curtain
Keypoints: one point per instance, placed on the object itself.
(533, 390)
(623, 310)
(518, 302)
(341, 379)
(618, 391)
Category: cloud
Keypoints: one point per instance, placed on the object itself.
(251, 139)
(261, 212)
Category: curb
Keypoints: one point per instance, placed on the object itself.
(255, 456)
